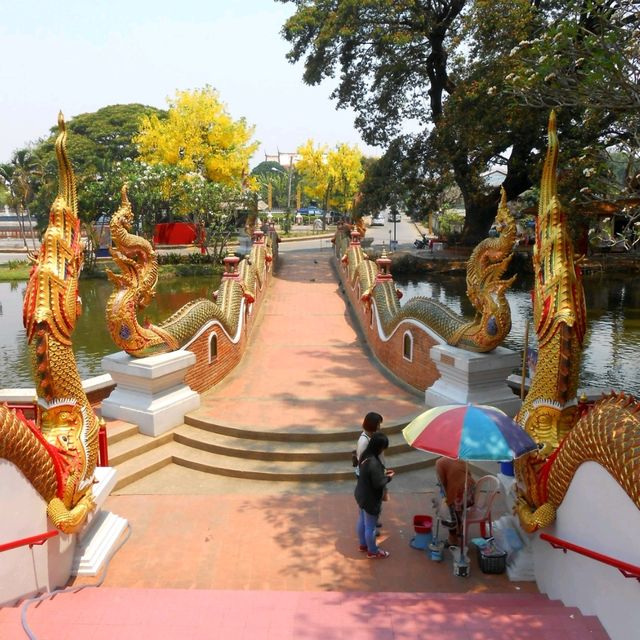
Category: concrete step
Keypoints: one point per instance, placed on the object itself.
(143, 464)
(290, 470)
(310, 615)
(150, 460)
(134, 445)
(301, 434)
(261, 449)
(118, 430)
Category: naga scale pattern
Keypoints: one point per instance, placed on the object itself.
(134, 289)
(609, 433)
(57, 453)
(485, 288)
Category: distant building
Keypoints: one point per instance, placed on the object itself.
(494, 177)
(285, 159)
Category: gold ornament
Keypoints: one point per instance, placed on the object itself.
(485, 289)
(609, 433)
(135, 289)
(59, 452)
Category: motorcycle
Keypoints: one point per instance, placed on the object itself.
(421, 243)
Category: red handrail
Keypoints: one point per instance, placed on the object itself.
(33, 540)
(103, 447)
(626, 569)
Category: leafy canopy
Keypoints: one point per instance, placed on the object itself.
(472, 80)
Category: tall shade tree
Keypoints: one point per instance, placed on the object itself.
(96, 142)
(199, 135)
(441, 65)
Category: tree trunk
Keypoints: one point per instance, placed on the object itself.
(481, 206)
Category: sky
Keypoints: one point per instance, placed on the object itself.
(77, 56)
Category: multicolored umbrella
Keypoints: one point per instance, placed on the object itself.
(468, 432)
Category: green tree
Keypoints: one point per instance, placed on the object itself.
(441, 65)
(96, 141)
(274, 174)
(19, 178)
(4, 195)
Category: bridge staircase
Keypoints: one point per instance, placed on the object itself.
(193, 613)
(300, 456)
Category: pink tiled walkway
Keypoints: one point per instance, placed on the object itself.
(306, 366)
(122, 614)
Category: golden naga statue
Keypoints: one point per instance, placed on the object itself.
(610, 432)
(58, 453)
(485, 288)
(135, 289)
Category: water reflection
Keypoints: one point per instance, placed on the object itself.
(91, 339)
(612, 345)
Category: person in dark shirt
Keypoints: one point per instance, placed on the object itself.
(372, 480)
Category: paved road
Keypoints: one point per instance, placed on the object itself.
(405, 232)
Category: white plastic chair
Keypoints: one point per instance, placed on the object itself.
(480, 513)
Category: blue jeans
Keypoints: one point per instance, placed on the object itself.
(367, 530)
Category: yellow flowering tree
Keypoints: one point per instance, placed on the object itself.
(199, 135)
(346, 173)
(313, 170)
(330, 177)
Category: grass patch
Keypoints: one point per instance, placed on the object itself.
(14, 270)
(167, 271)
(18, 270)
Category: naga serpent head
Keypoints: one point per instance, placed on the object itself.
(547, 422)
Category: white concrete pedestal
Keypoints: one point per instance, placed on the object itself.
(97, 543)
(98, 537)
(150, 392)
(473, 377)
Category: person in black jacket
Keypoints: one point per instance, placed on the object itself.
(372, 480)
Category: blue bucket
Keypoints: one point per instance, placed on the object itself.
(506, 468)
(421, 541)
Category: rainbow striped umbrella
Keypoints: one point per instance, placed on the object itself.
(468, 432)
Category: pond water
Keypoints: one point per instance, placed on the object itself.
(611, 355)
(612, 346)
(91, 339)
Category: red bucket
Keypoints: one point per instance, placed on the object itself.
(422, 524)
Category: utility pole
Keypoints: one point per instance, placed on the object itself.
(289, 190)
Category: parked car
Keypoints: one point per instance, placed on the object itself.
(377, 220)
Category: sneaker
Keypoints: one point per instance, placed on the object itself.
(381, 554)
(362, 547)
